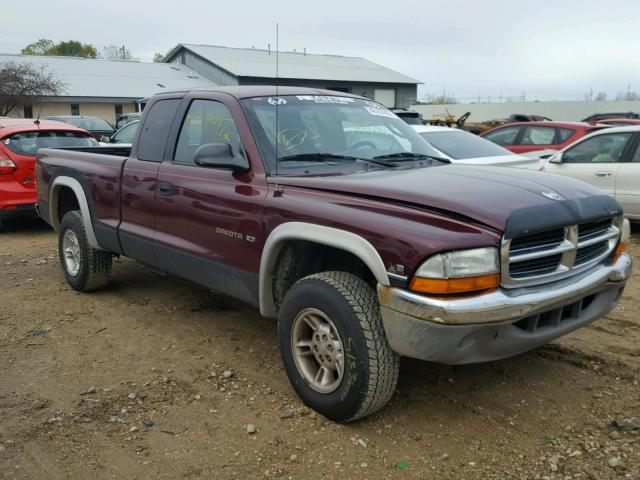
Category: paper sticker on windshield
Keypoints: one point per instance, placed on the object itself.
(382, 112)
(277, 101)
(326, 99)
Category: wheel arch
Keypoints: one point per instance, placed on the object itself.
(328, 236)
(57, 186)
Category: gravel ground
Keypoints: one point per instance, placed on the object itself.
(155, 377)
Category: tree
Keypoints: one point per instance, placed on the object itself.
(70, 48)
(113, 52)
(73, 48)
(158, 56)
(23, 83)
(41, 47)
(601, 97)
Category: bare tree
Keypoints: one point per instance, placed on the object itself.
(23, 83)
(113, 52)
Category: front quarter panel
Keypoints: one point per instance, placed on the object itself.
(403, 236)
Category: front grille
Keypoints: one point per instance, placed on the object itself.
(555, 253)
(555, 317)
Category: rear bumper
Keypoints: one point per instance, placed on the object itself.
(501, 323)
(26, 210)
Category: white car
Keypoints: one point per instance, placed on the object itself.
(607, 159)
(466, 148)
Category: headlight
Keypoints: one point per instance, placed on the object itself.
(461, 271)
(625, 238)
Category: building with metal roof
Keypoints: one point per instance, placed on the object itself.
(105, 88)
(252, 66)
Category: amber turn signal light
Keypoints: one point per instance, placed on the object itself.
(620, 249)
(455, 285)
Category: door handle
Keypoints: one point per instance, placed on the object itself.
(165, 188)
(603, 174)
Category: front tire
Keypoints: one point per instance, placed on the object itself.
(85, 268)
(334, 348)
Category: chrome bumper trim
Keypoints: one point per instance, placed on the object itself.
(505, 305)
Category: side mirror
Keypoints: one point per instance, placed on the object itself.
(105, 139)
(220, 155)
(557, 158)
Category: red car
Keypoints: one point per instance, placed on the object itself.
(20, 139)
(527, 137)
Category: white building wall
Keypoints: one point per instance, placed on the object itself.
(569, 111)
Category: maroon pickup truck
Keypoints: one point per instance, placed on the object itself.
(329, 213)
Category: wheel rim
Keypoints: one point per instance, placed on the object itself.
(317, 350)
(71, 252)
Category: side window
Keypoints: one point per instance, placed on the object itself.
(207, 121)
(564, 134)
(636, 155)
(503, 136)
(156, 129)
(598, 149)
(538, 136)
(127, 133)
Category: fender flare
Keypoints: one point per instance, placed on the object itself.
(74, 185)
(329, 236)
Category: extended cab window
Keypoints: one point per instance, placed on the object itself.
(598, 149)
(503, 136)
(207, 121)
(156, 129)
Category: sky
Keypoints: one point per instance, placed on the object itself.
(545, 50)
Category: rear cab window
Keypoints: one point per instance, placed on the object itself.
(28, 143)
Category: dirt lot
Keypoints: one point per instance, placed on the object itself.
(157, 378)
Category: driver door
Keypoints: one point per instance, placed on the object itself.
(595, 160)
(209, 220)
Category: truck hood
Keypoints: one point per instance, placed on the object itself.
(488, 195)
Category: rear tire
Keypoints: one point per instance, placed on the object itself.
(334, 347)
(85, 268)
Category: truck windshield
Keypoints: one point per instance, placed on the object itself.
(318, 131)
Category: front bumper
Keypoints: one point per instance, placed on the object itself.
(499, 324)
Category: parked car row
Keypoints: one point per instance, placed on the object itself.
(539, 139)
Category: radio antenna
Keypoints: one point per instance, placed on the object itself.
(276, 193)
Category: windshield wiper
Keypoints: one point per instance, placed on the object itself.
(409, 156)
(312, 157)
(321, 157)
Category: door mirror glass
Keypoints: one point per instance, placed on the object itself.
(105, 139)
(220, 155)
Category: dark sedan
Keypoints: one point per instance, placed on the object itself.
(96, 126)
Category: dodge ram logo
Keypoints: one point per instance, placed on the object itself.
(552, 195)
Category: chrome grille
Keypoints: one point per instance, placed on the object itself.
(557, 253)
